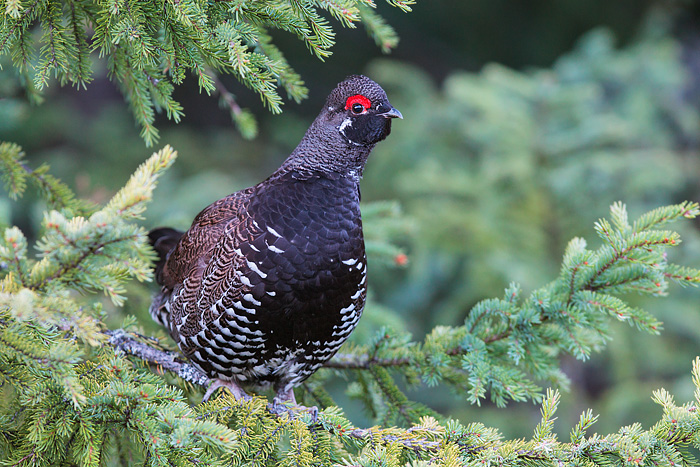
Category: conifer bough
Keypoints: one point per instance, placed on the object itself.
(151, 46)
(67, 398)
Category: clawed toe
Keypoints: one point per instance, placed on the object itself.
(290, 405)
(313, 410)
(233, 388)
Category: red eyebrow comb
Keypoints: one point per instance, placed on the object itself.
(358, 99)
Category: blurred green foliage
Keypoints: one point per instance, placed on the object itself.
(494, 172)
(502, 168)
(499, 169)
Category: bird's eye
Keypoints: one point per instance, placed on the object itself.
(357, 104)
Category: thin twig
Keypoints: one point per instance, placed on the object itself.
(415, 444)
(344, 361)
(226, 95)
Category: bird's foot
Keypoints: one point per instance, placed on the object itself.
(233, 388)
(285, 395)
(285, 401)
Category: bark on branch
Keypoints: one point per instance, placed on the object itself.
(171, 361)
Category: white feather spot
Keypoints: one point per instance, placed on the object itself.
(239, 306)
(274, 232)
(250, 299)
(350, 262)
(335, 342)
(274, 249)
(254, 267)
(244, 330)
(243, 319)
(346, 123)
(245, 281)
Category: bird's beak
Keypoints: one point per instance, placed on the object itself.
(391, 113)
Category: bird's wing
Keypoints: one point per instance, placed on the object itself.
(211, 275)
(194, 248)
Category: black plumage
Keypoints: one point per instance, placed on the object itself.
(268, 282)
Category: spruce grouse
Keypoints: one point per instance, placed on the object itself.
(268, 282)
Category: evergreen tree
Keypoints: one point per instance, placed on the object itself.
(71, 395)
(150, 47)
(75, 390)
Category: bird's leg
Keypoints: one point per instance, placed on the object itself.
(287, 395)
(234, 388)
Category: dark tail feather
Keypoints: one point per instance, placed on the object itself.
(163, 240)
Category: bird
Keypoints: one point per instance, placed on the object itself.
(268, 282)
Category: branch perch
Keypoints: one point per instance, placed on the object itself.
(171, 361)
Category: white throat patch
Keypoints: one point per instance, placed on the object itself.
(347, 123)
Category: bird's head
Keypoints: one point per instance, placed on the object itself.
(356, 116)
(360, 111)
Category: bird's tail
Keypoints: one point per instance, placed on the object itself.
(163, 240)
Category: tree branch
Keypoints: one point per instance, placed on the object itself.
(174, 362)
(417, 445)
(346, 361)
(171, 361)
(225, 94)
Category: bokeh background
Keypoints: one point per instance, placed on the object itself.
(523, 122)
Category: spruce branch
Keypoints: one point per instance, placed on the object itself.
(351, 361)
(151, 46)
(382, 33)
(243, 117)
(16, 173)
(173, 362)
(161, 359)
(501, 350)
(86, 253)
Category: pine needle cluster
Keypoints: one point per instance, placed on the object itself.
(71, 395)
(150, 47)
